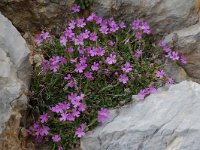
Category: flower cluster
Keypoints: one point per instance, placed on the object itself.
(173, 55)
(93, 65)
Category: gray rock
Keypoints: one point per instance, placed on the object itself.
(188, 43)
(164, 15)
(168, 120)
(15, 71)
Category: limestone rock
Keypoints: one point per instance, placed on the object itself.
(15, 73)
(168, 120)
(32, 16)
(188, 43)
(164, 15)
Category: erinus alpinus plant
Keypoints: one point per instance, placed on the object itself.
(95, 64)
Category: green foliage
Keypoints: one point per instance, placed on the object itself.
(84, 4)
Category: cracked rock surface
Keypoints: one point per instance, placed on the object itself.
(168, 120)
(15, 73)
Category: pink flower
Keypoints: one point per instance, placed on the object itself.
(42, 131)
(174, 55)
(160, 74)
(111, 59)
(68, 77)
(63, 40)
(111, 43)
(75, 8)
(80, 131)
(127, 67)
(80, 23)
(93, 36)
(91, 17)
(80, 67)
(89, 75)
(123, 78)
(75, 113)
(38, 40)
(72, 25)
(56, 138)
(122, 25)
(103, 114)
(137, 54)
(95, 67)
(44, 118)
(141, 95)
(82, 107)
(45, 35)
(60, 148)
(104, 29)
(183, 59)
(170, 81)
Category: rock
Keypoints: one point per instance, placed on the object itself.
(33, 16)
(15, 71)
(164, 16)
(168, 120)
(188, 43)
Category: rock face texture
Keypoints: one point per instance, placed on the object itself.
(166, 17)
(168, 120)
(32, 15)
(188, 42)
(15, 72)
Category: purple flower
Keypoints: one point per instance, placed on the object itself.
(80, 67)
(42, 131)
(63, 117)
(69, 33)
(111, 43)
(122, 25)
(98, 19)
(75, 8)
(80, 23)
(100, 51)
(71, 84)
(72, 25)
(123, 78)
(174, 55)
(45, 35)
(140, 25)
(68, 77)
(138, 35)
(111, 59)
(103, 114)
(141, 95)
(93, 36)
(80, 131)
(170, 81)
(91, 17)
(137, 54)
(127, 67)
(95, 67)
(89, 75)
(79, 40)
(60, 148)
(44, 117)
(75, 113)
(56, 138)
(160, 74)
(104, 29)
(63, 40)
(82, 107)
(183, 59)
(38, 40)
